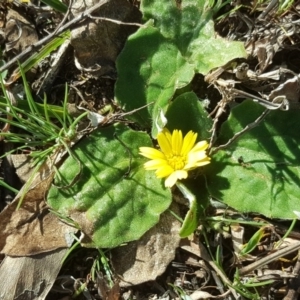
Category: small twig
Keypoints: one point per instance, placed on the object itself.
(78, 93)
(135, 110)
(261, 101)
(294, 283)
(240, 133)
(64, 18)
(220, 108)
(53, 34)
(270, 7)
(13, 102)
(268, 259)
(119, 116)
(116, 21)
(204, 255)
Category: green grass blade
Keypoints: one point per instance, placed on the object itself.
(5, 185)
(52, 110)
(41, 54)
(28, 94)
(57, 5)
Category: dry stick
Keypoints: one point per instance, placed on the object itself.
(293, 291)
(271, 6)
(220, 109)
(204, 255)
(135, 110)
(80, 17)
(240, 133)
(268, 259)
(64, 18)
(116, 21)
(261, 101)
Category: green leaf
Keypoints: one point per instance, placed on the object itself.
(155, 62)
(150, 69)
(253, 242)
(195, 191)
(260, 171)
(188, 24)
(110, 207)
(186, 113)
(187, 107)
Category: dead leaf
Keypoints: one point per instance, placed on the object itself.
(104, 289)
(32, 229)
(26, 278)
(19, 32)
(290, 89)
(201, 295)
(23, 166)
(147, 258)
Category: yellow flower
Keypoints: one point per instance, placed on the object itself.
(178, 155)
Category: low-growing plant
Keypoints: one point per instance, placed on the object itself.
(35, 132)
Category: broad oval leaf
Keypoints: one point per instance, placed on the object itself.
(188, 107)
(189, 25)
(95, 190)
(260, 171)
(150, 69)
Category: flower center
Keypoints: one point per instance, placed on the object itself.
(177, 162)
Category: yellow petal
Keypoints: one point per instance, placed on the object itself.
(196, 156)
(188, 142)
(168, 134)
(203, 163)
(151, 153)
(176, 142)
(155, 164)
(181, 174)
(164, 171)
(164, 143)
(193, 165)
(171, 180)
(200, 146)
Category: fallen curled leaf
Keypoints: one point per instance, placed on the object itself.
(36, 237)
(32, 277)
(32, 229)
(289, 89)
(22, 164)
(201, 295)
(19, 32)
(147, 258)
(105, 291)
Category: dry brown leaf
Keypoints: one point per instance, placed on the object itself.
(147, 258)
(104, 289)
(19, 32)
(290, 89)
(201, 295)
(29, 277)
(23, 166)
(32, 229)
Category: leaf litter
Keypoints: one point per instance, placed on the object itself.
(269, 76)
